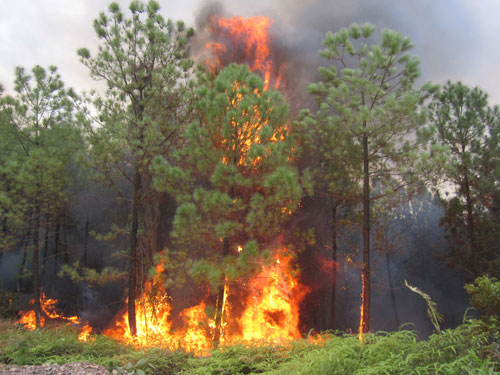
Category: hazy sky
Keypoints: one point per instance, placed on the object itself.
(455, 39)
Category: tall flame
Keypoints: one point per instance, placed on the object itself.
(267, 304)
(271, 309)
(243, 40)
(271, 314)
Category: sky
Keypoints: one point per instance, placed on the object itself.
(455, 39)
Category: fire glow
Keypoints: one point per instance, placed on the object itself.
(271, 314)
(261, 309)
(243, 40)
(49, 312)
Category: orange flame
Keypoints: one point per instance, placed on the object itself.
(271, 314)
(268, 310)
(361, 309)
(85, 333)
(247, 40)
(48, 307)
(272, 310)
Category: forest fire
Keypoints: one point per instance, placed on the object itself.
(271, 314)
(48, 308)
(271, 300)
(243, 40)
(262, 308)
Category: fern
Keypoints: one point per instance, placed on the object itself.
(434, 315)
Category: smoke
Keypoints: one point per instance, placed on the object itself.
(439, 37)
(439, 31)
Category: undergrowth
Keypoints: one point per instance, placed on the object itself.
(472, 348)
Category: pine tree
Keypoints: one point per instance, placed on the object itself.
(468, 127)
(368, 104)
(332, 175)
(41, 120)
(143, 60)
(239, 186)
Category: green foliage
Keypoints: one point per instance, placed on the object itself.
(233, 180)
(395, 353)
(39, 133)
(467, 128)
(94, 278)
(363, 136)
(57, 345)
(485, 295)
(144, 61)
(60, 345)
(8, 305)
(241, 360)
(366, 91)
(469, 349)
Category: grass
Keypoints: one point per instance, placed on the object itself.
(473, 348)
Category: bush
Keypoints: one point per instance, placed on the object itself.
(8, 305)
(485, 295)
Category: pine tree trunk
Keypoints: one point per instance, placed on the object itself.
(23, 261)
(36, 265)
(57, 234)
(334, 269)
(391, 289)
(65, 242)
(45, 249)
(220, 298)
(365, 293)
(85, 244)
(4, 231)
(132, 280)
(470, 225)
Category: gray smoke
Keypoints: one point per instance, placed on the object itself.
(440, 31)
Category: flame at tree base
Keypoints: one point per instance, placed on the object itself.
(270, 315)
(49, 312)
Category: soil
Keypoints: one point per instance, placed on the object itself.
(75, 368)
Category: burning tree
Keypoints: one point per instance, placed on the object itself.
(241, 184)
(143, 60)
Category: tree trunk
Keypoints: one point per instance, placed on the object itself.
(364, 324)
(4, 231)
(220, 298)
(391, 289)
(45, 249)
(334, 260)
(470, 225)
(85, 244)
(57, 238)
(36, 265)
(23, 261)
(132, 275)
(65, 242)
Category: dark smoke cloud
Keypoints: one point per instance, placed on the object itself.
(445, 35)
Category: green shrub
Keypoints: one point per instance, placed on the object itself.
(485, 295)
(472, 348)
(8, 305)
